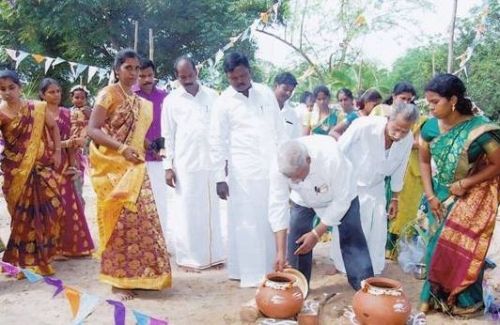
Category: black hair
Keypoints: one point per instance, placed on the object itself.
(371, 95)
(45, 84)
(321, 89)
(305, 96)
(12, 75)
(399, 88)
(184, 58)
(81, 88)
(285, 78)
(147, 63)
(233, 60)
(448, 85)
(346, 92)
(121, 57)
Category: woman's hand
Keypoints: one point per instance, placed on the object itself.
(458, 188)
(436, 207)
(56, 158)
(132, 155)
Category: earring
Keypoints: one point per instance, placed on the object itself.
(453, 107)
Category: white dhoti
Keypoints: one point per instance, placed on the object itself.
(156, 175)
(196, 223)
(251, 242)
(373, 216)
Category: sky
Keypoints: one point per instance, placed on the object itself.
(382, 47)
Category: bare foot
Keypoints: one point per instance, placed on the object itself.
(123, 294)
(331, 270)
(188, 269)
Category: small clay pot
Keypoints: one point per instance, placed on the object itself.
(381, 301)
(279, 296)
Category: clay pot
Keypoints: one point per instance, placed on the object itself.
(279, 296)
(381, 301)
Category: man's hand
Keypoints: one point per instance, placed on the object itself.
(280, 262)
(222, 190)
(170, 178)
(307, 241)
(393, 209)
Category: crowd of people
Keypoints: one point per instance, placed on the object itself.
(360, 169)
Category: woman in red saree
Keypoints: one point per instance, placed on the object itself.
(131, 244)
(75, 239)
(460, 166)
(32, 151)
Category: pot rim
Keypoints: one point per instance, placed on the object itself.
(391, 288)
(269, 282)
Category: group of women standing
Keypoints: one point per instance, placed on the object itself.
(42, 169)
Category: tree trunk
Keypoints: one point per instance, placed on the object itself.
(452, 33)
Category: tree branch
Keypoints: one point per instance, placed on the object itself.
(296, 49)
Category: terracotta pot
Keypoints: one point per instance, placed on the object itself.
(279, 296)
(381, 301)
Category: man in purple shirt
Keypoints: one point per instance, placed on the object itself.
(147, 89)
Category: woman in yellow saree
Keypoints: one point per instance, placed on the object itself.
(131, 245)
(460, 166)
(32, 152)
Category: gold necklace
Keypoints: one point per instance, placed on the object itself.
(16, 111)
(127, 96)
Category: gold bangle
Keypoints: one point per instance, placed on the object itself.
(394, 199)
(460, 185)
(315, 233)
(430, 198)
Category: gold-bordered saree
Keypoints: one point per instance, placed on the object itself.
(131, 244)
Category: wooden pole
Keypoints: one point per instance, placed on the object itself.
(151, 45)
(136, 34)
(452, 33)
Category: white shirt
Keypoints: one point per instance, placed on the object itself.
(363, 143)
(246, 131)
(293, 125)
(329, 187)
(185, 124)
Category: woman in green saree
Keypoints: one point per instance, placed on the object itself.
(460, 166)
(322, 119)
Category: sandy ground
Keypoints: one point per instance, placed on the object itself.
(205, 298)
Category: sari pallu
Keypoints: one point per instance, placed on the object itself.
(75, 239)
(31, 191)
(458, 245)
(131, 244)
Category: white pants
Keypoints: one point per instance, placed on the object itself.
(196, 223)
(373, 215)
(159, 186)
(251, 242)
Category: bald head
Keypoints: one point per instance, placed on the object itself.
(186, 73)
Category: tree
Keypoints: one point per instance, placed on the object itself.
(91, 31)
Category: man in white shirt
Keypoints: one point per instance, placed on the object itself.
(284, 85)
(245, 131)
(377, 147)
(323, 183)
(185, 127)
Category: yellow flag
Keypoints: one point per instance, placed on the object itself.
(73, 297)
(38, 58)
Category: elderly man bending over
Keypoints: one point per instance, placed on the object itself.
(322, 182)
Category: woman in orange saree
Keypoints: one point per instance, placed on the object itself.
(32, 152)
(131, 245)
(460, 166)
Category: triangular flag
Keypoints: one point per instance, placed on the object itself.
(56, 283)
(10, 269)
(79, 69)
(155, 321)
(12, 54)
(57, 61)
(38, 58)
(31, 276)
(72, 66)
(88, 304)
(73, 297)
(103, 74)
(119, 311)
(141, 318)
(48, 63)
(22, 55)
(112, 77)
(218, 56)
(91, 73)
